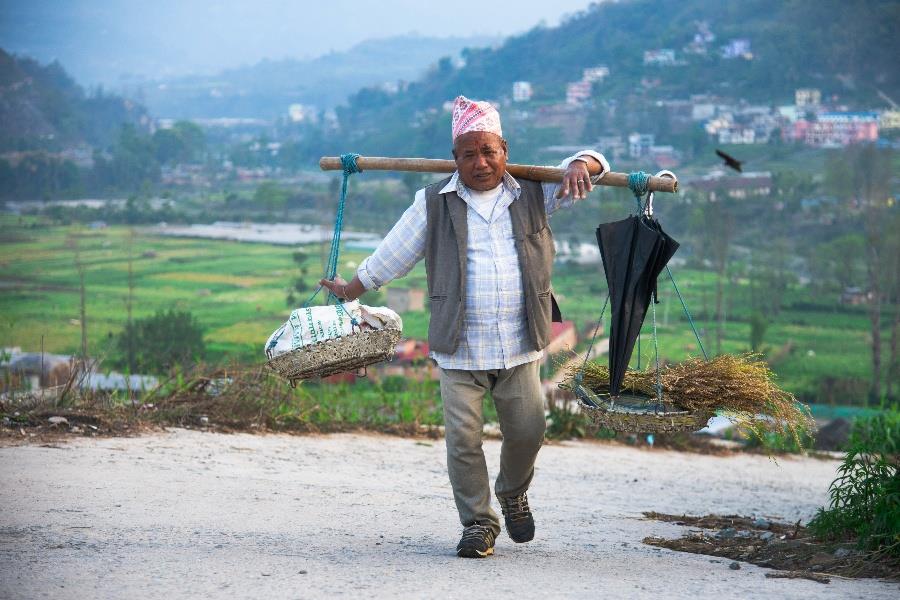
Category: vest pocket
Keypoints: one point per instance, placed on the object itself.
(539, 251)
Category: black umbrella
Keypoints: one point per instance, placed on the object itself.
(634, 252)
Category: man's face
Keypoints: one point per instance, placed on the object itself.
(481, 159)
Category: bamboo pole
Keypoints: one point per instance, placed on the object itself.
(533, 172)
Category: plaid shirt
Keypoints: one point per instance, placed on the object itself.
(494, 333)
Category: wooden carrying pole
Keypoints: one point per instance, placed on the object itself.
(533, 172)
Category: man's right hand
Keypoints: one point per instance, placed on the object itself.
(341, 289)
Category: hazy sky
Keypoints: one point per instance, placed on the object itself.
(107, 41)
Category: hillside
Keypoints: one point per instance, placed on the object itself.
(847, 49)
(266, 89)
(41, 107)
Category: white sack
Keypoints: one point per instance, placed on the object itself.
(317, 324)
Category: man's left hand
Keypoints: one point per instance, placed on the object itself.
(577, 180)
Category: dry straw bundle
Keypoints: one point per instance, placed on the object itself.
(741, 388)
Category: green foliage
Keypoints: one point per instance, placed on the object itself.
(40, 176)
(164, 341)
(758, 325)
(44, 109)
(563, 423)
(878, 434)
(181, 143)
(779, 442)
(271, 196)
(865, 497)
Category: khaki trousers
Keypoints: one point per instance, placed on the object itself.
(519, 401)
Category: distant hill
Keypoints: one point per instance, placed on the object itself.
(846, 48)
(266, 89)
(41, 107)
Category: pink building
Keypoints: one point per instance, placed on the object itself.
(835, 129)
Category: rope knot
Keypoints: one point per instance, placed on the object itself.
(638, 183)
(348, 162)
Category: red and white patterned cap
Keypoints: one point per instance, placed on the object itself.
(472, 115)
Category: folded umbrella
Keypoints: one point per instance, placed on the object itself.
(634, 252)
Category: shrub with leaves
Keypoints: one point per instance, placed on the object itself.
(865, 497)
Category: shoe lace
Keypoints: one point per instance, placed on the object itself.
(515, 508)
(477, 532)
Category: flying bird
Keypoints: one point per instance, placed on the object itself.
(730, 161)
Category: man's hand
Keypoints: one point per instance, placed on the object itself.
(577, 179)
(341, 289)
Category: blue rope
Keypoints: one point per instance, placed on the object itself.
(587, 355)
(639, 184)
(688, 314)
(348, 162)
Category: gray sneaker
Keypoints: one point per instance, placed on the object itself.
(477, 542)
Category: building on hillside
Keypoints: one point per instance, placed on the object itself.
(736, 135)
(595, 74)
(577, 92)
(402, 300)
(789, 113)
(702, 38)
(890, 119)
(522, 91)
(662, 57)
(737, 48)
(301, 113)
(807, 98)
(703, 111)
(746, 185)
(836, 129)
(639, 144)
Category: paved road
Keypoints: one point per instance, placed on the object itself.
(197, 515)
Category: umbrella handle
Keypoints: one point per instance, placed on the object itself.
(648, 210)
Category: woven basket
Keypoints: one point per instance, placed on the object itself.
(338, 355)
(646, 422)
(619, 418)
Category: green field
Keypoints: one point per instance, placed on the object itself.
(237, 292)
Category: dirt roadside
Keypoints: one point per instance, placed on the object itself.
(191, 514)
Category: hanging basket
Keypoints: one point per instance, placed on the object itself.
(338, 355)
(649, 422)
(642, 414)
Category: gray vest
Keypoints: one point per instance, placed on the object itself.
(445, 263)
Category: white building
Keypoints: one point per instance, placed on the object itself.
(807, 97)
(639, 144)
(522, 91)
(594, 74)
(300, 113)
(661, 57)
(737, 48)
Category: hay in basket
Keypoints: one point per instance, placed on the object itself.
(741, 388)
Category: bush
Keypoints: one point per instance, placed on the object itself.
(865, 497)
(159, 343)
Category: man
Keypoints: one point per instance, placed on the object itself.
(488, 258)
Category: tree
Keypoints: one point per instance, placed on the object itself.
(271, 196)
(862, 175)
(183, 142)
(161, 342)
(758, 326)
(300, 284)
(718, 231)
